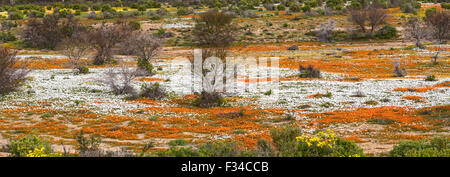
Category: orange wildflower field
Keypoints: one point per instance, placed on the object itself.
(350, 82)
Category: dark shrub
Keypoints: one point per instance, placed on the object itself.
(152, 91)
(436, 147)
(13, 15)
(430, 78)
(208, 99)
(49, 31)
(178, 142)
(120, 80)
(86, 144)
(387, 32)
(11, 77)
(398, 70)
(309, 72)
(7, 36)
(284, 141)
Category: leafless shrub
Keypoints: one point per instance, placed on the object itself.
(208, 99)
(308, 72)
(376, 17)
(214, 32)
(417, 30)
(325, 32)
(119, 80)
(359, 17)
(145, 46)
(399, 71)
(49, 31)
(105, 37)
(435, 57)
(11, 76)
(153, 91)
(75, 48)
(439, 20)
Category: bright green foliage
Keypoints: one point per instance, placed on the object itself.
(27, 144)
(387, 32)
(436, 147)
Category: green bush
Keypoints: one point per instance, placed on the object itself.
(84, 8)
(281, 7)
(220, 149)
(27, 144)
(145, 66)
(306, 8)
(387, 32)
(445, 5)
(106, 7)
(152, 91)
(142, 8)
(85, 144)
(35, 13)
(15, 15)
(407, 8)
(83, 70)
(183, 11)
(178, 152)
(135, 25)
(340, 35)
(96, 7)
(284, 140)
(7, 36)
(436, 147)
(430, 78)
(294, 7)
(208, 99)
(178, 142)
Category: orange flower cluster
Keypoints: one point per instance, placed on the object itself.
(251, 140)
(424, 89)
(356, 139)
(145, 101)
(150, 79)
(413, 97)
(115, 118)
(119, 134)
(89, 115)
(317, 95)
(398, 114)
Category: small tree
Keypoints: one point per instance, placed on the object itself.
(439, 20)
(11, 76)
(214, 29)
(376, 17)
(105, 37)
(435, 57)
(145, 46)
(75, 48)
(417, 30)
(325, 33)
(359, 17)
(120, 80)
(214, 32)
(50, 31)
